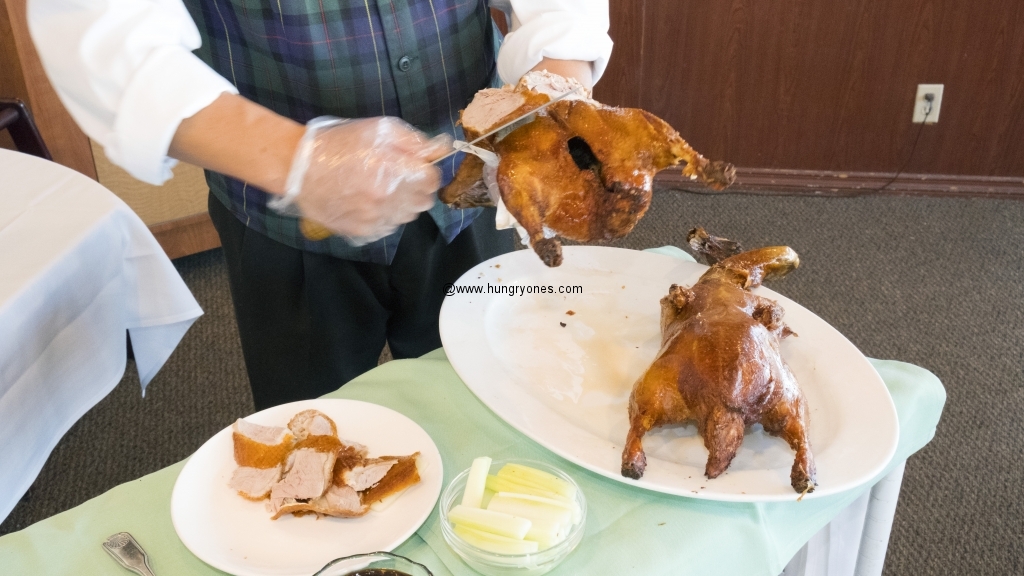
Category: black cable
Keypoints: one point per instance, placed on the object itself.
(929, 98)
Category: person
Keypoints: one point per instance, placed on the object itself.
(248, 106)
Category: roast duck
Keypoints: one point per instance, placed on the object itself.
(579, 169)
(719, 365)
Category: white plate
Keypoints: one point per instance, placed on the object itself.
(568, 387)
(237, 536)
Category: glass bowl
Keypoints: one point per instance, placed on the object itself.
(373, 561)
(492, 564)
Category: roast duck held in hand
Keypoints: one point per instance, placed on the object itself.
(720, 366)
(579, 169)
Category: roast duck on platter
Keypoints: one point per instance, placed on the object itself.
(720, 366)
(578, 169)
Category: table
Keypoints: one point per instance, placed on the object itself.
(77, 269)
(628, 531)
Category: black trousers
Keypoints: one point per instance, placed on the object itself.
(309, 322)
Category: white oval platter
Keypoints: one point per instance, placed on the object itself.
(564, 379)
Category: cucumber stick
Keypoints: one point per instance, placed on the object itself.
(476, 482)
(536, 512)
(495, 543)
(489, 521)
(549, 525)
(506, 484)
(546, 536)
(572, 506)
(488, 494)
(537, 478)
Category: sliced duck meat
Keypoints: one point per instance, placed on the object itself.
(401, 476)
(254, 483)
(271, 435)
(368, 473)
(259, 446)
(355, 448)
(340, 501)
(347, 458)
(307, 469)
(308, 473)
(312, 423)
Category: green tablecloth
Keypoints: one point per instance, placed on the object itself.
(628, 531)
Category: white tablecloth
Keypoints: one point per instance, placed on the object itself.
(854, 542)
(77, 269)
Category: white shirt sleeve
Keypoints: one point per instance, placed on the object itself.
(125, 71)
(560, 29)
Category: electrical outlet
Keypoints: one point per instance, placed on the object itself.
(921, 105)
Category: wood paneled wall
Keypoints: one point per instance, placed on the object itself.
(22, 76)
(821, 85)
(176, 212)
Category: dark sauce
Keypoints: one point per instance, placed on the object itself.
(377, 572)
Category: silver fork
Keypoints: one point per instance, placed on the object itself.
(123, 548)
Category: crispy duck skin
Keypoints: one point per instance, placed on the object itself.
(586, 172)
(720, 367)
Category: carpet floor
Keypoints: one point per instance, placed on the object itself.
(936, 282)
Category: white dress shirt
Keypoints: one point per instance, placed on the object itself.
(125, 71)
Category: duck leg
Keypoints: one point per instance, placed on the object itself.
(655, 401)
(723, 434)
(786, 420)
(634, 460)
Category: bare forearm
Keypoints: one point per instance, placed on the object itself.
(240, 138)
(578, 69)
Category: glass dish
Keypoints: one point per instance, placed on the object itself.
(373, 561)
(492, 564)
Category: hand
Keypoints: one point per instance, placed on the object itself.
(363, 178)
(579, 70)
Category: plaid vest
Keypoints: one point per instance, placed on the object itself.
(420, 60)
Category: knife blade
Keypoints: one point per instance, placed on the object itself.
(461, 146)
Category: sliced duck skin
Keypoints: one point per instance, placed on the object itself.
(320, 443)
(402, 475)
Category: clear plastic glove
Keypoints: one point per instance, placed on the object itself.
(363, 178)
